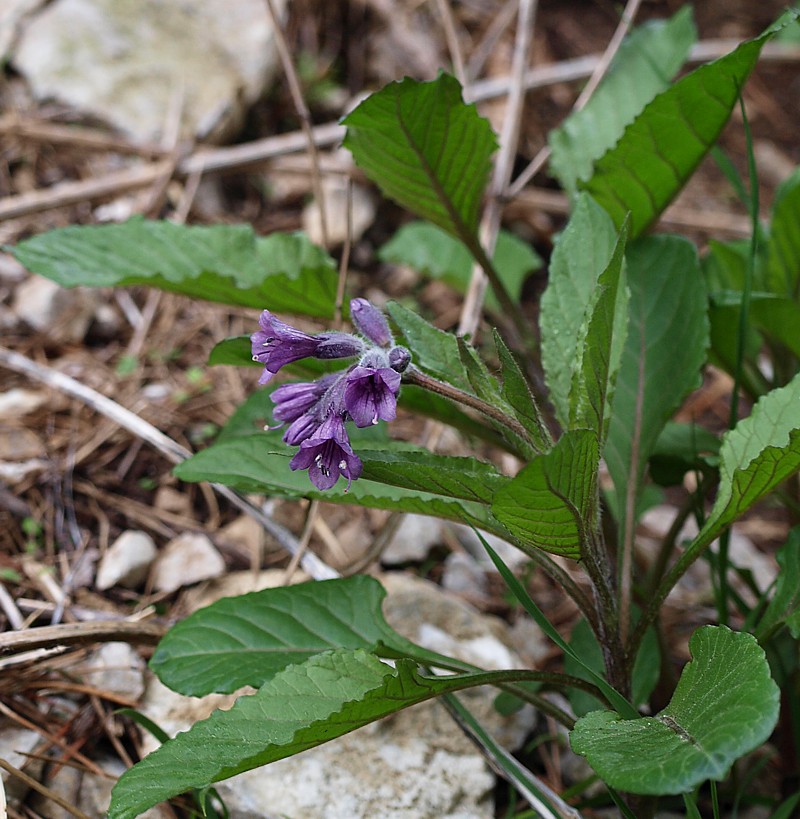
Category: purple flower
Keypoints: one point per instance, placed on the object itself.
(371, 393)
(370, 322)
(298, 404)
(328, 454)
(277, 344)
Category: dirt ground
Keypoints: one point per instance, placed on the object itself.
(149, 350)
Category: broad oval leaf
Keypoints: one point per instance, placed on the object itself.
(304, 705)
(644, 65)
(725, 705)
(551, 502)
(246, 640)
(224, 263)
(259, 463)
(661, 148)
(426, 149)
(582, 252)
(664, 350)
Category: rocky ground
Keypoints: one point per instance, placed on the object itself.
(181, 111)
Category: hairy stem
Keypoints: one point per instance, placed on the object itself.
(415, 376)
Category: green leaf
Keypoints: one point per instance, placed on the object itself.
(783, 265)
(246, 640)
(755, 457)
(431, 349)
(431, 251)
(582, 252)
(646, 61)
(224, 263)
(445, 475)
(603, 342)
(426, 149)
(259, 463)
(235, 351)
(779, 321)
(661, 148)
(664, 351)
(550, 504)
(302, 706)
(586, 651)
(725, 705)
(784, 607)
(518, 396)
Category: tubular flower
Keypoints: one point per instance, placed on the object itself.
(327, 455)
(277, 344)
(371, 394)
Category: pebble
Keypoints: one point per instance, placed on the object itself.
(62, 314)
(187, 559)
(117, 668)
(413, 540)
(127, 561)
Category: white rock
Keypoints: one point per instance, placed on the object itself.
(415, 537)
(19, 401)
(463, 575)
(62, 314)
(94, 796)
(127, 62)
(127, 561)
(12, 14)
(115, 667)
(187, 559)
(513, 557)
(334, 192)
(15, 744)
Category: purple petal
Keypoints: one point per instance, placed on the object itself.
(371, 394)
(370, 322)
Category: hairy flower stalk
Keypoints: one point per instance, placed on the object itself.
(316, 412)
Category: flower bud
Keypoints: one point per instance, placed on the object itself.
(370, 322)
(337, 345)
(399, 359)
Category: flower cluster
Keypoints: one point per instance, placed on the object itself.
(315, 412)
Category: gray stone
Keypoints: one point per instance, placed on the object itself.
(187, 559)
(15, 743)
(64, 315)
(115, 667)
(12, 16)
(94, 796)
(463, 575)
(127, 561)
(335, 195)
(127, 61)
(414, 538)
(19, 401)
